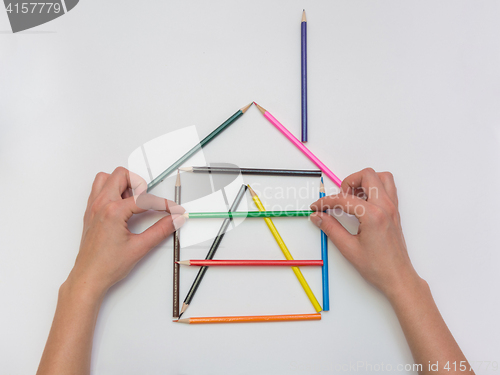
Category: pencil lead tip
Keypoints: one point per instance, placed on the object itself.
(322, 186)
(251, 191)
(260, 108)
(175, 319)
(184, 308)
(244, 109)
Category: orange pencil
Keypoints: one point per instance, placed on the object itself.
(249, 319)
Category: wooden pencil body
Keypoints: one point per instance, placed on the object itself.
(253, 318)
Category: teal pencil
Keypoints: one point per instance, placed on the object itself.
(198, 147)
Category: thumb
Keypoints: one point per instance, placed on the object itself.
(341, 238)
(160, 230)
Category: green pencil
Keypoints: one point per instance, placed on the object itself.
(198, 146)
(206, 215)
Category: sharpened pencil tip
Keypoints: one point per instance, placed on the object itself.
(244, 109)
(251, 191)
(178, 181)
(260, 108)
(184, 308)
(304, 15)
(186, 169)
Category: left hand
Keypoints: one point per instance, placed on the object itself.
(108, 250)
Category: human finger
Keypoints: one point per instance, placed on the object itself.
(158, 232)
(99, 181)
(369, 182)
(136, 205)
(341, 238)
(127, 193)
(347, 203)
(390, 186)
(122, 179)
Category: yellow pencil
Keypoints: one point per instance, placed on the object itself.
(285, 251)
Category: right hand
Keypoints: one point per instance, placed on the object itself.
(378, 251)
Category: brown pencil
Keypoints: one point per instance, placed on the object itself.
(177, 255)
(249, 319)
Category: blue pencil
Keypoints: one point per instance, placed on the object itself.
(324, 257)
(303, 60)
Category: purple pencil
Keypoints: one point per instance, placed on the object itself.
(303, 60)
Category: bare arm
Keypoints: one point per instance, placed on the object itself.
(379, 253)
(108, 252)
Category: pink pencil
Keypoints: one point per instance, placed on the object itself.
(300, 146)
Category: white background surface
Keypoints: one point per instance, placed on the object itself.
(409, 87)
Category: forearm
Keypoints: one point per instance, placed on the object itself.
(69, 345)
(429, 338)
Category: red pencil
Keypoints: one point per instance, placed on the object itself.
(252, 262)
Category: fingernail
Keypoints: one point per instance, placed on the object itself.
(178, 221)
(316, 219)
(176, 209)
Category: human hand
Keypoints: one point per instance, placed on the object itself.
(108, 250)
(378, 251)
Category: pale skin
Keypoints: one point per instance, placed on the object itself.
(378, 251)
(109, 251)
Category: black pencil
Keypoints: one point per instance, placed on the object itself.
(256, 171)
(213, 249)
(177, 250)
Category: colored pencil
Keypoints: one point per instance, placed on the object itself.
(207, 215)
(286, 252)
(250, 262)
(300, 146)
(198, 146)
(256, 171)
(324, 256)
(303, 71)
(213, 249)
(249, 319)
(177, 248)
